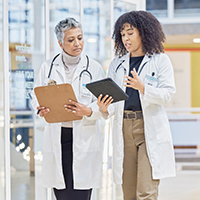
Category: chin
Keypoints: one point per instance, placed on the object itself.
(76, 53)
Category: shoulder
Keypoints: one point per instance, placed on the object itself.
(47, 63)
(119, 59)
(92, 62)
(161, 57)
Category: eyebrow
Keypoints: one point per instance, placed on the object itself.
(74, 36)
(130, 29)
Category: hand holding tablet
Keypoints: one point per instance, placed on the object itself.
(107, 87)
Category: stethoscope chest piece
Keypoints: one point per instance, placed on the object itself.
(51, 82)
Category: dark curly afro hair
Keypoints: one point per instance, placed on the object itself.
(149, 28)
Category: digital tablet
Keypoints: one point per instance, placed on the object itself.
(107, 86)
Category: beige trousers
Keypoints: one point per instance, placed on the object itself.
(137, 172)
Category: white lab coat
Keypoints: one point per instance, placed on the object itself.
(87, 147)
(156, 125)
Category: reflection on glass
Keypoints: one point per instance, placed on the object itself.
(121, 7)
(26, 53)
(186, 8)
(96, 27)
(157, 8)
(2, 169)
(59, 10)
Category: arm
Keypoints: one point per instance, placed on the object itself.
(41, 111)
(91, 111)
(106, 108)
(166, 87)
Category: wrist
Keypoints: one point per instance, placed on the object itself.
(89, 112)
(103, 110)
(142, 88)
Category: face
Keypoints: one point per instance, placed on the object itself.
(132, 40)
(73, 41)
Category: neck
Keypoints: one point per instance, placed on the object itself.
(70, 60)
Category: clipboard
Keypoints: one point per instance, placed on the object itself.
(55, 97)
(107, 86)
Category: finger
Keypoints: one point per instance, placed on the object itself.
(73, 102)
(99, 97)
(109, 102)
(68, 106)
(129, 78)
(104, 98)
(42, 113)
(128, 86)
(40, 108)
(134, 73)
(126, 81)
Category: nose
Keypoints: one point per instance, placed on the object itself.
(76, 42)
(126, 37)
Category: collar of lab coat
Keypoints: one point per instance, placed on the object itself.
(60, 68)
(126, 57)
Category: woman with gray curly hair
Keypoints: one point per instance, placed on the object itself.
(72, 154)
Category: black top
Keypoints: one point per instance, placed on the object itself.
(133, 102)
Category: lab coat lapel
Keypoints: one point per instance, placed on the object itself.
(126, 66)
(126, 63)
(144, 61)
(60, 68)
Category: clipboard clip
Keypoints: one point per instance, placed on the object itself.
(51, 82)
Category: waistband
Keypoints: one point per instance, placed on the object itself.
(133, 115)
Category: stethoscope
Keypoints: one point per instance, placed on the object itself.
(82, 72)
(121, 65)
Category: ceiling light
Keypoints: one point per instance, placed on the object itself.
(196, 40)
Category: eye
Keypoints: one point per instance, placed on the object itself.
(80, 38)
(130, 33)
(70, 40)
(122, 34)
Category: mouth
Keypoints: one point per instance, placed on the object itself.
(127, 45)
(78, 49)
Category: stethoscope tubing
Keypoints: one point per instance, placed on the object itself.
(85, 70)
(120, 64)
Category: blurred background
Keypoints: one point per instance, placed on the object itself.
(27, 39)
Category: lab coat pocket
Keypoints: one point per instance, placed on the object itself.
(90, 138)
(162, 128)
(86, 99)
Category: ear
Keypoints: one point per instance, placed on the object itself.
(61, 45)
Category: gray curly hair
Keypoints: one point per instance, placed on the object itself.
(64, 25)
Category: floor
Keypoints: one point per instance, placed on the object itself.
(185, 186)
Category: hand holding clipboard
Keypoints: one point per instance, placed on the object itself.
(55, 97)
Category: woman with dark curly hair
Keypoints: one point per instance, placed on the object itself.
(142, 143)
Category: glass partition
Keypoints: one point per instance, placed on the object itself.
(186, 8)
(26, 53)
(96, 27)
(121, 7)
(2, 146)
(27, 50)
(59, 10)
(157, 7)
